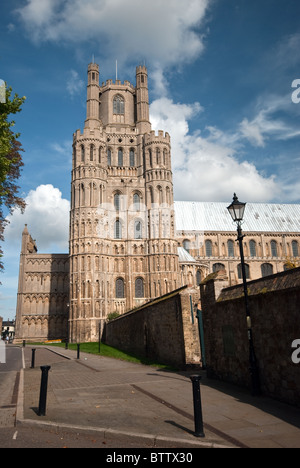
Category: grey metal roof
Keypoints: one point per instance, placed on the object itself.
(185, 257)
(258, 217)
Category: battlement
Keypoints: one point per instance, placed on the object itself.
(160, 137)
(110, 84)
(141, 69)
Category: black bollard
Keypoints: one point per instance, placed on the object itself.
(43, 391)
(24, 343)
(67, 344)
(199, 432)
(78, 351)
(33, 358)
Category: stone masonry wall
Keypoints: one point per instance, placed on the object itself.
(161, 330)
(274, 307)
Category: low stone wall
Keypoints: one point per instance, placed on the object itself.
(275, 312)
(162, 330)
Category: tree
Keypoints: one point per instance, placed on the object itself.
(10, 160)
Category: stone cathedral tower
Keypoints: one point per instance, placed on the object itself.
(123, 250)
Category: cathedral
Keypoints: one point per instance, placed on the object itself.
(129, 242)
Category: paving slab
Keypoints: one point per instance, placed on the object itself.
(113, 396)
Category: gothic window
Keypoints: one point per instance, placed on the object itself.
(118, 229)
(82, 195)
(137, 230)
(208, 248)
(132, 158)
(82, 153)
(157, 156)
(168, 192)
(230, 247)
(274, 252)
(218, 267)
(139, 288)
(109, 157)
(136, 202)
(92, 148)
(160, 195)
(151, 195)
(165, 157)
(295, 249)
(120, 290)
(120, 157)
(187, 245)
(247, 271)
(118, 105)
(117, 201)
(198, 277)
(266, 269)
(100, 155)
(252, 245)
(150, 158)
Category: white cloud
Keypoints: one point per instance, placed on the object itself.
(165, 32)
(207, 169)
(74, 84)
(272, 120)
(47, 217)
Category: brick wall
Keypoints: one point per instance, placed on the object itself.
(274, 307)
(161, 330)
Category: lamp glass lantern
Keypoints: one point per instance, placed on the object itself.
(236, 209)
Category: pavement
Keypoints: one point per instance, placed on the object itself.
(149, 406)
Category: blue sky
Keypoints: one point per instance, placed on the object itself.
(220, 74)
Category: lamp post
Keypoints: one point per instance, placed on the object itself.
(236, 210)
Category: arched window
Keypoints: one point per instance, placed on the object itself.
(157, 156)
(208, 248)
(247, 271)
(139, 288)
(165, 157)
(266, 269)
(150, 158)
(120, 157)
(109, 157)
(230, 247)
(252, 245)
(117, 201)
(198, 277)
(118, 105)
(187, 245)
(132, 158)
(92, 148)
(274, 252)
(118, 229)
(295, 249)
(120, 289)
(137, 230)
(218, 267)
(160, 195)
(82, 153)
(136, 202)
(151, 195)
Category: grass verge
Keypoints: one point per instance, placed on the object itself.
(109, 351)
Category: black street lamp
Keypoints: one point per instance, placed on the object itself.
(236, 210)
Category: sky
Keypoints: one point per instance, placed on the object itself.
(224, 81)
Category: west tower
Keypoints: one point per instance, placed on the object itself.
(123, 250)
